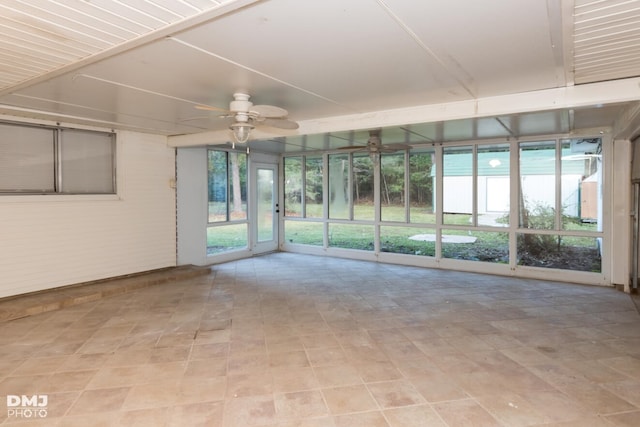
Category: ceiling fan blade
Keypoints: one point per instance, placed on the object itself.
(190, 119)
(279, 123)
(209, 108)
(387, 150)
(397, 146)
(268, 111)
(354, 148)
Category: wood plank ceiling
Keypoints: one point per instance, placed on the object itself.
(42, 36)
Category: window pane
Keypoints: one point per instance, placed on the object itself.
(87, 162)
(313, 187)
(304, 232)
(493, 185)
(265, 204)
(581, 184)
(408, 240)
(293, 186)
(476, 246)
(392, 197)
(421, 186)
(537, 185)
(238, 186)
(339, 186)
(217, 186)
(226, 238)
(351, 236)
(363, 176)
(563, 252)
(457, 185)
(26, 159)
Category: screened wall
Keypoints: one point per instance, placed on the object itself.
(492, 206)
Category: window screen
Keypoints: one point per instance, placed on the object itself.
(26, 159)
(86, 162)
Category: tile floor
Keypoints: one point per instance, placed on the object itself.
(295, 340)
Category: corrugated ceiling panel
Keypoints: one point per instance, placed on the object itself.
(39, 36)
(606, 40)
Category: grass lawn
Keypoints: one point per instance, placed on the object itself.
(487, 246)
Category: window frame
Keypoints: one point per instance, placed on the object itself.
(57, 176)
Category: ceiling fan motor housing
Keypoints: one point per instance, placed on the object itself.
(241, 103)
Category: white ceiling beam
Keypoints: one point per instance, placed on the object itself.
(580, 96)
(627, 126)
(562, 26)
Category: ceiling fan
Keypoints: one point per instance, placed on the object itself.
(375, 147)
(247, 116)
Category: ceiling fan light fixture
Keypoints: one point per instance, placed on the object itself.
(241, 132)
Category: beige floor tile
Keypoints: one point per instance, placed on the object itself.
(249, 411)
(129, 356)
(597, 372)
(402, 350)
(628, 390)
(557, 406)
(293, 379)
(59, 403)
(296, 359)
(248, 363)
(326, 356)
(420, 367)
(100, 400)
(318, 341)
(511, 409)
(136, 374)
(464, 412)
(438, 387)
(66, 381)
(152, 395)
(306, 422)
(334, 376)
(394, 394)
(213, 336)
(170, 354)
(209, 351)
(39, 365)
(108, 419)
(204, 414)
(349, 399)
(7, 367)
(23, 384)
(371, 371)
(300, 404)
(283, 344)
(244, 385)
(245, 346)
(157, 417)
(100, 346)
(627, 419)
(597, 399)
(364, 419)
(413, 416)
(627, 365)
(526, 356)
(588, 421)
(206, 368)
(196, 390)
